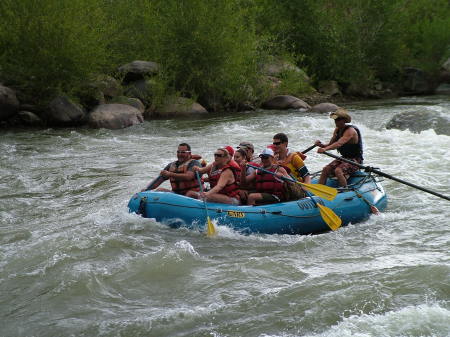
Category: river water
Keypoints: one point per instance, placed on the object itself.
(73, 262)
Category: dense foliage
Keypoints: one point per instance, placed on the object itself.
(214, 50)
(51, 46)
(360, 40)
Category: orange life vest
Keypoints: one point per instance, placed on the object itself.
(297, 172)
(182, 186)
(231, 190)
(267, 183)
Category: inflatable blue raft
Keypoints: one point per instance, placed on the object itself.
(352, 205)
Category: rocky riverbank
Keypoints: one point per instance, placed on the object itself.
(129, 98)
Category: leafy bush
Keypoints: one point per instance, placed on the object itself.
(357, 41)
(208, 48)
(212, 50)
(50, 46)
(428, 33)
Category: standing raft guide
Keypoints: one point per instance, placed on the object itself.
(346, 191)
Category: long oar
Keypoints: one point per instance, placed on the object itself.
(371, 169)
(309, 149)
(153, 183)
(323, 191)
(210, 228)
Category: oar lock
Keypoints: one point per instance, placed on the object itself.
(370, 169)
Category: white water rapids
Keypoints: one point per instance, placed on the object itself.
(73, 262)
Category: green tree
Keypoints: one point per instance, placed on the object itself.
(208, 48)
(50, 46)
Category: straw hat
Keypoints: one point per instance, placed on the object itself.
(341, 113)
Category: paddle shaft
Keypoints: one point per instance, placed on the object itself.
(309, 149)
(270, 172)
(201, 191)
(371, 169)
(156, 180)
(311, 197)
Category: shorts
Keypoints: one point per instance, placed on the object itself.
(347, 169)
(268, 199)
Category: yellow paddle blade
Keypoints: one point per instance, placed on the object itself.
(211, 230)
(323, 191)
(330, 218)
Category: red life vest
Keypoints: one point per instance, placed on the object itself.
(267, 183)
(182, 186)
(231, 190)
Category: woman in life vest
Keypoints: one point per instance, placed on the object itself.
(230, 151)
(240, 157)
(269, 187)
(247, 149)
(223, 176)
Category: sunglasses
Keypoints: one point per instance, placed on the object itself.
(277, 143)
(264, 156)
(183, 151)
(218, 155)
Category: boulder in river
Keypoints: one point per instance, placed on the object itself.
(179, 107)
(29, 118)
(62, 111)
(282, 102)
(324, 108)
(134, 102)
(417, 121)
(114, 116)
(9, 104)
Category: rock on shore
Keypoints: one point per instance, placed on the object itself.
(114, 116)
